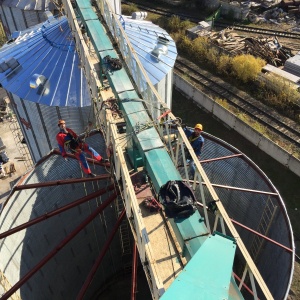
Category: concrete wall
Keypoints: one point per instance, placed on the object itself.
(238, 125)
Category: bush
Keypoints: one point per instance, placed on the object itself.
(201, 47)
(174, 24)
(225, 64)
(246, 67)
(127, 10)
(185, 45)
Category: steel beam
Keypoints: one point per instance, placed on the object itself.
(134, 271)
(228, 187)
(59, 182)
(262, 236)
(55, 212)
(220, 158)
(58, 247)
(100, 257)
(257, 233)
(244, 285)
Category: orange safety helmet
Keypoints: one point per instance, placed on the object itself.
(61, 122)
(198, 126)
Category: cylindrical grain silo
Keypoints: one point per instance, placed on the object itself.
(156, 51)
(63, 274)
(20, 15)
(41, 71)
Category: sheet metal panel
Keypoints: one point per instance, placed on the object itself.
(208, 274)
(4, 21)
(48, 51)
(77, 118)
(30, 4)
(19, 19)
(9, 19)
(15, 19)
(160, 171)
(25, 126)
(37, 127)
(100, 39)
(34, 17)
(143, 37)
(62, 276)
(43, 124)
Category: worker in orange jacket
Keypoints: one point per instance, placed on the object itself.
(68, 140)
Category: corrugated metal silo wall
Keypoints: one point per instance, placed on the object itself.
(165, 88)
(64, 274)
(39, 123)
(15, 19)
(248, 208)
(116, 6)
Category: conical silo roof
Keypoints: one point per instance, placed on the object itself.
(144, 36)
(42, 66)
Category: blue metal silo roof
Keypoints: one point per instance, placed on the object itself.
(42, 66)
(143, 36)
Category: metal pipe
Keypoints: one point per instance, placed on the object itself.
(100, 257)
(262, 236)
(241, 189)
(58, 247)
(244, 285)
(59, 182)
(220, 158)
(134, 272)
(257, 233)
(55, 212)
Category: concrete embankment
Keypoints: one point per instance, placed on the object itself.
(231, 120)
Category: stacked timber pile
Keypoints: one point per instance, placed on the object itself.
(269, 49)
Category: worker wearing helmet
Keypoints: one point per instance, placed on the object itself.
(197, 141)
(69, 141)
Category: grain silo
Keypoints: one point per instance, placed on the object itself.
(41, 71)
(17, 16)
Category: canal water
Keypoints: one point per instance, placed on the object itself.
(286, 182)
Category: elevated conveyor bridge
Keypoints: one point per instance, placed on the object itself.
(195, 242)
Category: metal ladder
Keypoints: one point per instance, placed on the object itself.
(17, 135)
(264, 225)
(124, 236)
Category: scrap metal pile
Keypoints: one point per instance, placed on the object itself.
(269, 49)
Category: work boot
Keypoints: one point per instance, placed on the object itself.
(92, 175)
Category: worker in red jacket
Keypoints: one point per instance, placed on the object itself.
(69, 141)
